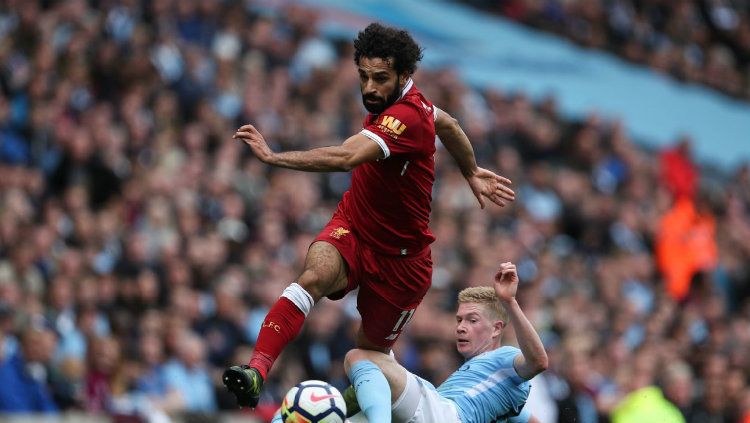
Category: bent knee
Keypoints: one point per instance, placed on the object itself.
(313, 282)
(354, 356)
(318, 283)
(325, 271)
(351, 357)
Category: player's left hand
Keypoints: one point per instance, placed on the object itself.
(250, 136)
(485, 183)
(506, 282)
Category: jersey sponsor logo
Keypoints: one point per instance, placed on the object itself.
(392, 126)
(315, 398)
(339, 232)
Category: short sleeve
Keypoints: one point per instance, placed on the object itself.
(399, 129)
(508, 356)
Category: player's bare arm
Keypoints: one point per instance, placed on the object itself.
(533, 358)
(356, 150)
(484, 183)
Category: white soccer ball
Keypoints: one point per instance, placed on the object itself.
(313, 401)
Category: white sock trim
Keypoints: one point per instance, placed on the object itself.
(301, 298)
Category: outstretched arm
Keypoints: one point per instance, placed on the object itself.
(483, 182)
(356, 150)
(533, 358)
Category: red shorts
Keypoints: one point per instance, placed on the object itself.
(390, 287)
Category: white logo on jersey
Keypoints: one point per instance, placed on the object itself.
(404, 168)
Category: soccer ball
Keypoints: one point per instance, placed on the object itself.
(313, 401)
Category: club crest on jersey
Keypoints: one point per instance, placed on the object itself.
(339, 232)
(392, 126)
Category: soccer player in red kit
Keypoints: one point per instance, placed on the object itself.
(379, 237)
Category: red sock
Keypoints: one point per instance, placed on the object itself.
(281, 325)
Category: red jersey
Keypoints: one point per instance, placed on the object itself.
(389, 200)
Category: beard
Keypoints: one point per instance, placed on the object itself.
(380, 104)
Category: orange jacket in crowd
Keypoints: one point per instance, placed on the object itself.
(685, 244)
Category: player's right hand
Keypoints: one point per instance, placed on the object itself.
(250, 136)
(506, 282)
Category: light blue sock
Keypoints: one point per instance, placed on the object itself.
(373, 391)
(277, 417)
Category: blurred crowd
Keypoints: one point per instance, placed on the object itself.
(701, 41)
(140, 247)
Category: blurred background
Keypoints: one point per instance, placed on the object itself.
(140, 247)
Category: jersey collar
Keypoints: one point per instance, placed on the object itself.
(406, 89)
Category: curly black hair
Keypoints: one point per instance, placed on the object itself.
(384, 42)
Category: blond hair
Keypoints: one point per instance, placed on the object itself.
(486, 296)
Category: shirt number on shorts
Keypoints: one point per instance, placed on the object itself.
(406, 315)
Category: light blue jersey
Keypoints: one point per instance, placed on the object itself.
(487, 389)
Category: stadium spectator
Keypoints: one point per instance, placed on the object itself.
(104, 379)
(704, 41)
(685, 245)
(24, 375)
(187, 376)
(678, 172)
(679, 387)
